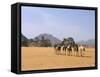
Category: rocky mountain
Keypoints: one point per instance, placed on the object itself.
(50, 37)
(24, 41)
(23, 38)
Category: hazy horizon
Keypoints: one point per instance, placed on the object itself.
(61, 23)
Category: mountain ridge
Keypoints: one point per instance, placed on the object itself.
(89, 42)
(54, 40)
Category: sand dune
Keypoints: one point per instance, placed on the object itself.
(39, 58)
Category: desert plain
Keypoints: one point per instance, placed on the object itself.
(40, 58)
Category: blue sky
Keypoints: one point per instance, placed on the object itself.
(79, 24)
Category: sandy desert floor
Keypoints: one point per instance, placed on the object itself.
(39, 58)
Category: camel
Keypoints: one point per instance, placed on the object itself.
(82, 49)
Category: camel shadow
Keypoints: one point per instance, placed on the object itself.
(83, 56)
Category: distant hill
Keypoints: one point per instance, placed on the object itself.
(89, 43)
(38, 40)
(23, 38)
(52, 39)
(24, 41)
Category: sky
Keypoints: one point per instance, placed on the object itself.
(61, 23)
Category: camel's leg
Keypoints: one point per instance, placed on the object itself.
(68, 53)
(64, 52)
(81, 53)
(77, 53)
(56, 51)
(71, 52)
(60, 52)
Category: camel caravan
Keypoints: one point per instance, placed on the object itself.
(70, 48)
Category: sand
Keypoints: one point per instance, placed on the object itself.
(39, 58)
